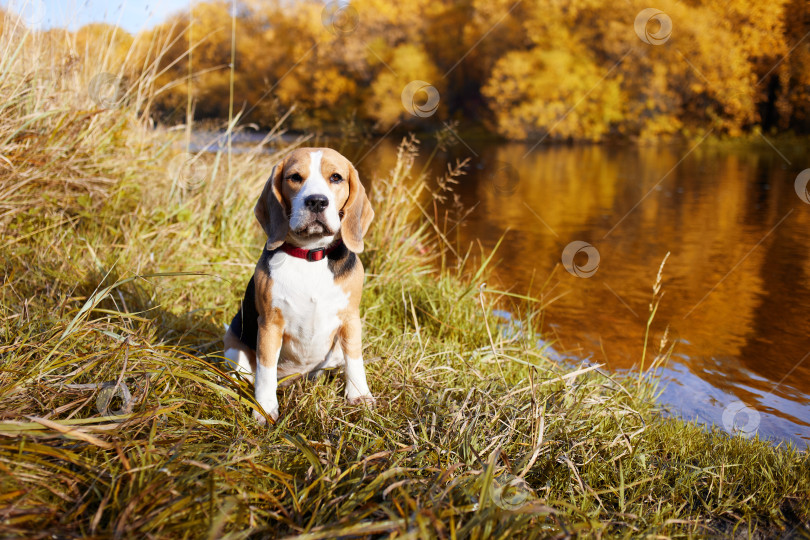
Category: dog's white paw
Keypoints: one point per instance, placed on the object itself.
(261, 419)
(363, 399)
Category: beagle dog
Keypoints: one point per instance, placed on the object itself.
(301, 310)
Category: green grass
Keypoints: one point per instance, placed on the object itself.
(120, 272)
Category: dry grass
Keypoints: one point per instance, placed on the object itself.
(117, 418)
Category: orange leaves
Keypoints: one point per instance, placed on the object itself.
(572, 70)
(552, 94)
(406, 63)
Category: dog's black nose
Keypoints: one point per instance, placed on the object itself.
(316, 203)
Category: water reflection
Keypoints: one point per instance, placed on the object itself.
(737, 283)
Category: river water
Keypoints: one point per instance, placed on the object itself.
(736, 284)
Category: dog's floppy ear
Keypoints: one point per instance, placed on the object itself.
(357, 214)
(270, 211)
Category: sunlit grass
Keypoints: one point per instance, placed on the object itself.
(119, 272)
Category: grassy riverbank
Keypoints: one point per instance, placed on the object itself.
(122, 258)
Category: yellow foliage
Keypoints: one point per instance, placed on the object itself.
(406, 63)
(106, 44)
(573, 69)
(589, 74)
(554, 92)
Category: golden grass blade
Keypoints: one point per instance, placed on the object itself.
(72, 432)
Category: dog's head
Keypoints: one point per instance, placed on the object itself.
(313, 197)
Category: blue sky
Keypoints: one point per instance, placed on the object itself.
(128, 14)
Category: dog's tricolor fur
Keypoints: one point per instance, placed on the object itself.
(299, 315)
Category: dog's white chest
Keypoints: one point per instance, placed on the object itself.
(310, 302)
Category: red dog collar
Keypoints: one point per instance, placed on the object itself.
(309, 254)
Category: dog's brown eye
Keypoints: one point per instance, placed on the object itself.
(336, 178)
(295, 177)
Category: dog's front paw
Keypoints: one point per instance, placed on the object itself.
(261, 419)
(363, 399)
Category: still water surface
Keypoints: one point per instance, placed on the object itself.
(736, 285)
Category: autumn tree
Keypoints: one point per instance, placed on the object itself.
(575, 70)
